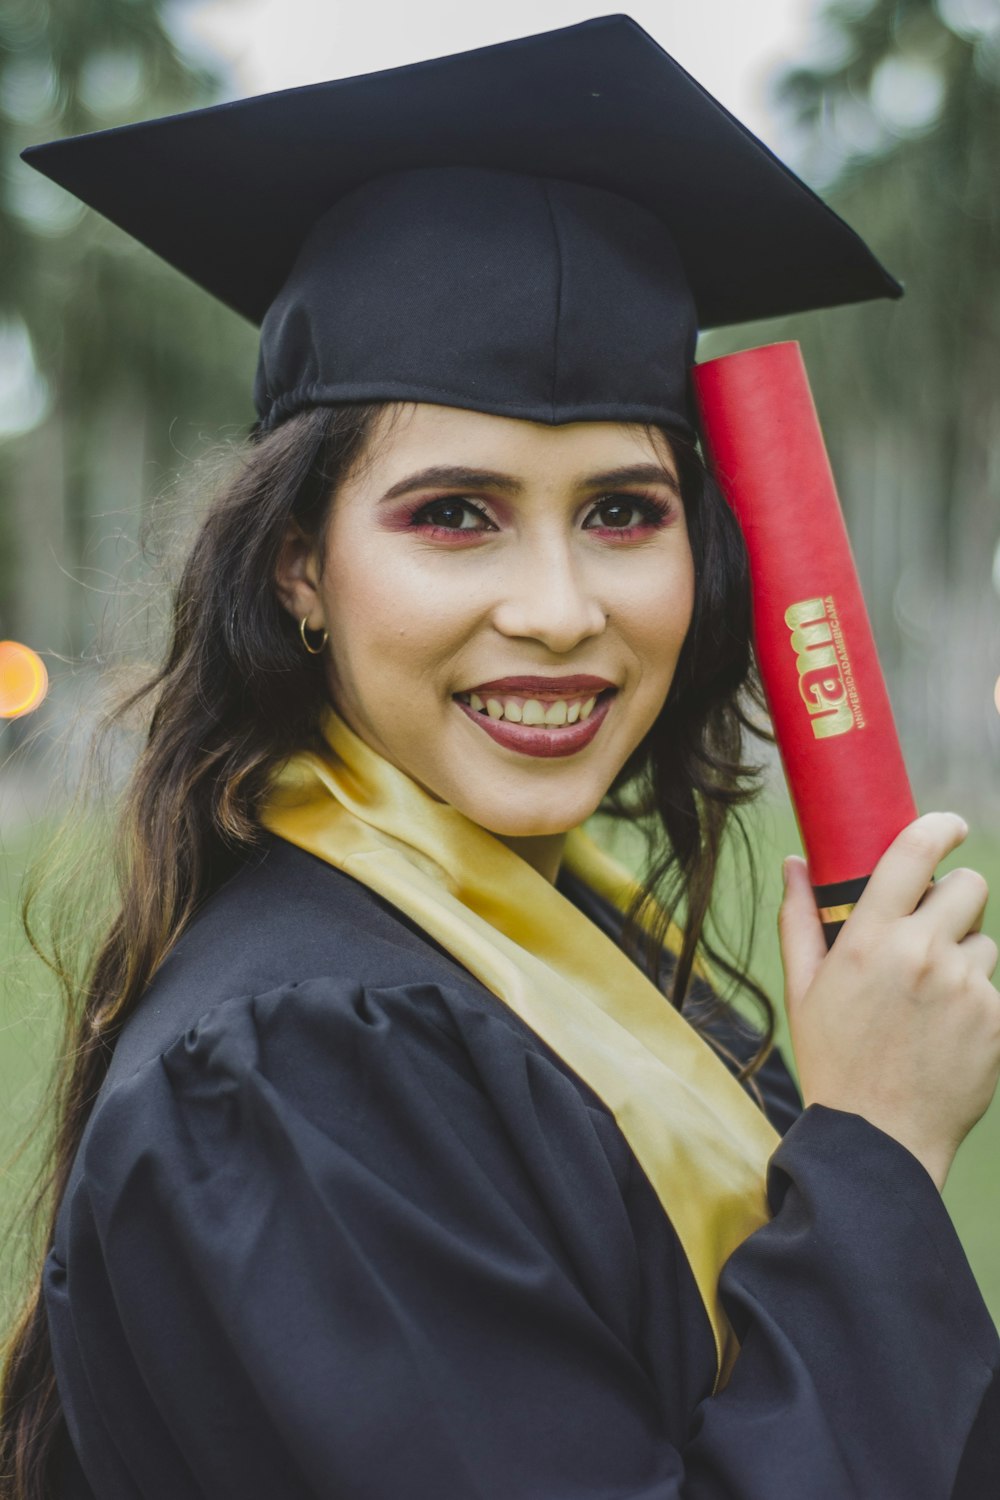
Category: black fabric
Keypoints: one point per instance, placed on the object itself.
(461, 287)
(591, 205)
(979, 1474)
(342, 1226)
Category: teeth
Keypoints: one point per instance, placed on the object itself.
(531, 711)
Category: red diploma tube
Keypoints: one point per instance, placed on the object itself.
(820, 671)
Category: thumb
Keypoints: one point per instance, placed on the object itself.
(800, 931)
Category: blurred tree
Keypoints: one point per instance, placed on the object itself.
(124, 361)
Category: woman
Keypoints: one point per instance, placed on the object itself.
(385, 1168)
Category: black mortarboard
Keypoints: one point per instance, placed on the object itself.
(537, 228)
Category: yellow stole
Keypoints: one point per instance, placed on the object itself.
(702, 1142)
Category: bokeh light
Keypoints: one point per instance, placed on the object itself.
(24, 392)
(907, 93)
(23, 680)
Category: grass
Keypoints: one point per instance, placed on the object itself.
(29, 1017)
(29, 1028)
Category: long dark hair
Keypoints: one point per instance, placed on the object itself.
(234, 696)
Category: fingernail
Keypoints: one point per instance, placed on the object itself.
(962, 823)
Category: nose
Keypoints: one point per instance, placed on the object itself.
(545, 596)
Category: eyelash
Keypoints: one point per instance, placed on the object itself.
(657, 514)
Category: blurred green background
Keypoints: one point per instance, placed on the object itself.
(118, 378)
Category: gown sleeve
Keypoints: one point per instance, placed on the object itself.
(349, 1242)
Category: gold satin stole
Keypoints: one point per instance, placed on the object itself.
(702, 1142)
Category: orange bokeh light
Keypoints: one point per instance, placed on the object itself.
(23, 680)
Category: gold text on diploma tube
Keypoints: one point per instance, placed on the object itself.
(826, 681)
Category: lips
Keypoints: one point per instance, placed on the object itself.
(555, 720)
(580, 684)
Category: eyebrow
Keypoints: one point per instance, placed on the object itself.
(634, 474)
(452, 477)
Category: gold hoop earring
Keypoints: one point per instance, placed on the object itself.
(313, 650)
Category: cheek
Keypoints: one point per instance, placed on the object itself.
(389, 610)
(656, 614)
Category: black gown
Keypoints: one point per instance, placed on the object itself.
(343, 1226)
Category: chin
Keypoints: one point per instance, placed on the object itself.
(541, 823)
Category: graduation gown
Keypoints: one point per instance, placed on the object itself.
(341, 1225)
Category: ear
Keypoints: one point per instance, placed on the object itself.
(296, 577)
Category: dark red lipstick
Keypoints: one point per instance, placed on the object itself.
(557, 687)
(533, 739)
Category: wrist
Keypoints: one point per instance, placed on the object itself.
(935, 1159)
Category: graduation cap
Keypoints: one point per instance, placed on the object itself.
(537, 228)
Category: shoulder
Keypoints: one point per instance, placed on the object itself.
(296, 980)
(328, 1050)
(330, 1090)
(284, 918)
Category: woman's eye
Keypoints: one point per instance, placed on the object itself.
(629, 513)
(451, 514)
(616, 515)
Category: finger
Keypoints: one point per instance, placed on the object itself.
(800, 931)
(956, 904)
(981, 951)
(902, 875)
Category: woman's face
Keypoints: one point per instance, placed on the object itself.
(482, 573)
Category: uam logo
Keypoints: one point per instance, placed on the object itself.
(821, 679)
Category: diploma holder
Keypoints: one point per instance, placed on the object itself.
(818, 664)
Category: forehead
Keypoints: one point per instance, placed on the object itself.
(413, 435)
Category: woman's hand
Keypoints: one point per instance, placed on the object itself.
(898, 1022)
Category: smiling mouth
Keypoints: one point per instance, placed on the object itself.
(520, 708)
(522, 724)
